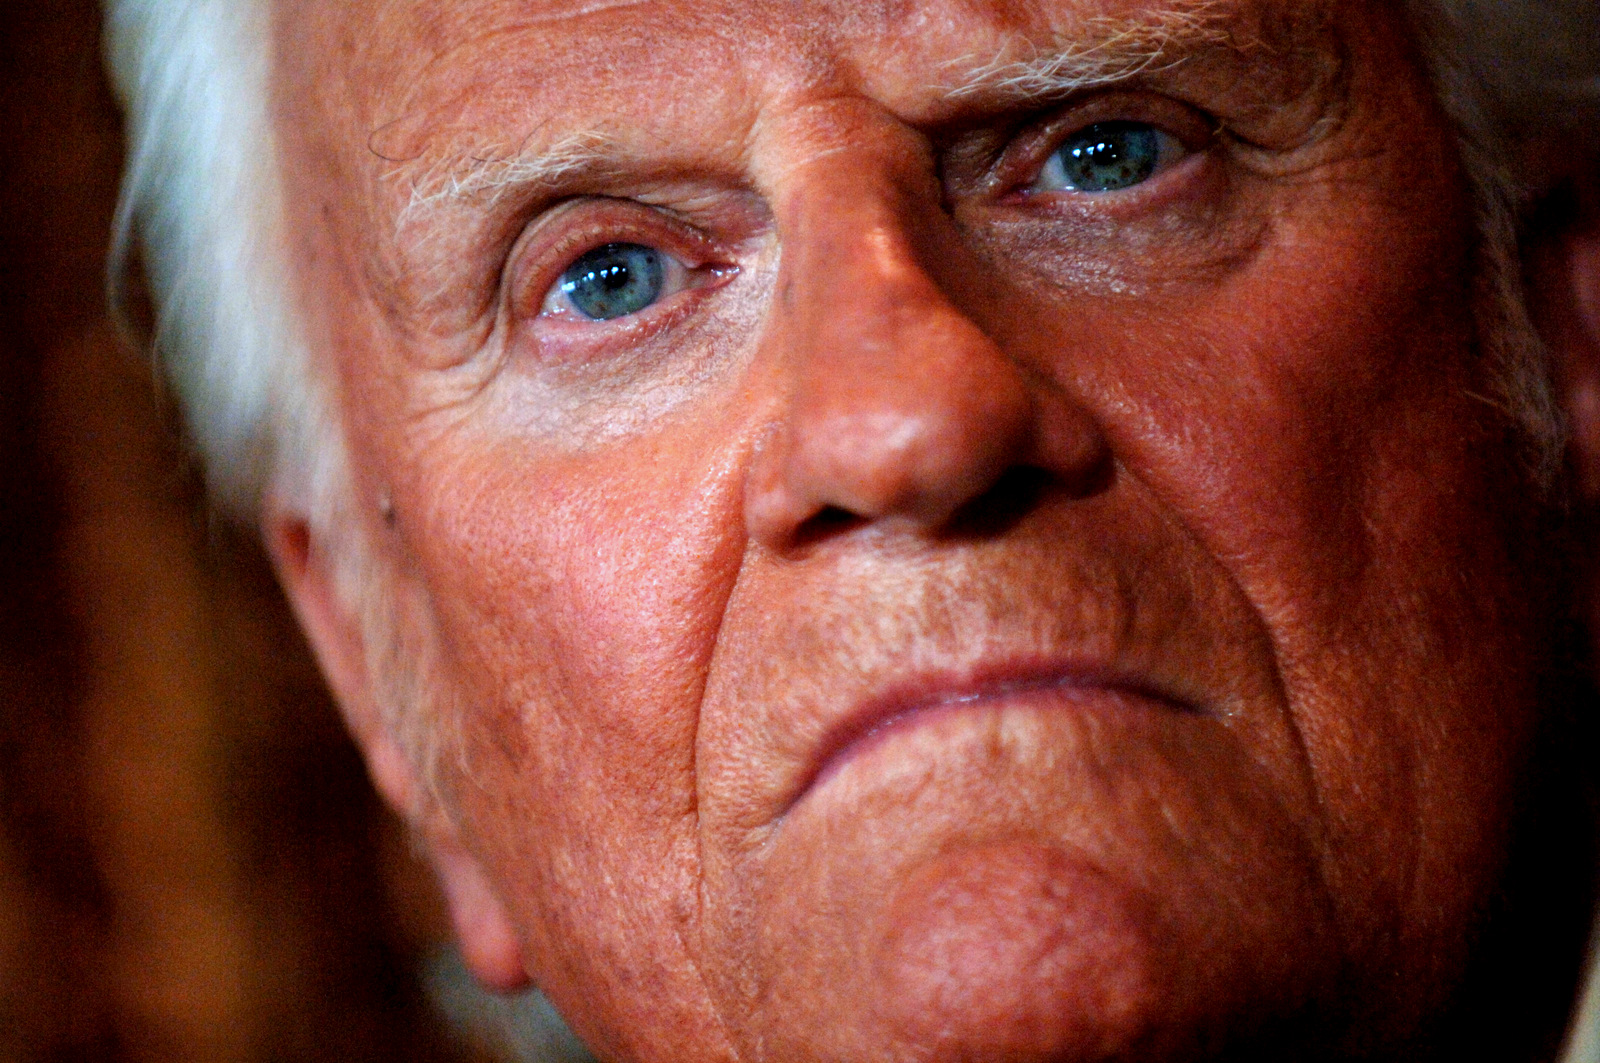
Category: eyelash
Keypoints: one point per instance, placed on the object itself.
(1131, 153)
(1180, 131)
(613, 276)
(684, 255)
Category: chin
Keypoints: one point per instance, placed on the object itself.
(1019, 951)
(1033, 882)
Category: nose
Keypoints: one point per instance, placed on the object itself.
(900, 406)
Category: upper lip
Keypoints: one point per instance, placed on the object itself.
(991, 684)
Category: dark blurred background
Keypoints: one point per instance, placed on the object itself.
(192, 865)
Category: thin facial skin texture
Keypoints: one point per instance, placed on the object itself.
(962, 619)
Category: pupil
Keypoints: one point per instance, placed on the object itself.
(1110, 156)
(614, 280)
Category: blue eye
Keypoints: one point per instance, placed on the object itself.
(614, 280)
(1108, 157)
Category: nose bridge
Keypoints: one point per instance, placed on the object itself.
(857, 257)
(899, 404)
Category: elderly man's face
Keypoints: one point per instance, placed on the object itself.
(953, 530)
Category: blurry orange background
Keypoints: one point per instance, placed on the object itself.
(192, 865)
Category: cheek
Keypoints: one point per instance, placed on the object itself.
(576, 602)
(582, 594)
(1316, 428)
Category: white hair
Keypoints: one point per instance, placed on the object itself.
(203, 187)
(202, 191)
(1520, 81)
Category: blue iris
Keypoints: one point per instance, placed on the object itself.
(1110, 156)
(614, 280)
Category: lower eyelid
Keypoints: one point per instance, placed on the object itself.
(680, 278)
(1189, 182)
(569, 341)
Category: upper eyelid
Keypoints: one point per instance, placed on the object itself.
(1029, 145)
(647, 221)
(1062, 128)
(526, 282)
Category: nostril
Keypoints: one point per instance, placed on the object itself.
(1016, 493)
(824, 524)
(997, 510)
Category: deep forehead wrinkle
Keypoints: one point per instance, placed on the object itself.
(1032, 63)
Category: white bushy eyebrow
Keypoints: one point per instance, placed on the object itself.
(486, 176)
(1102, 52)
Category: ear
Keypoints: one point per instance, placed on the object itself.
(488, 940)
(1564, 289)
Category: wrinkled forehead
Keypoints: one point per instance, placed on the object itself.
(473, 77)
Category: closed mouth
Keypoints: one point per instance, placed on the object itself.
(913, 704)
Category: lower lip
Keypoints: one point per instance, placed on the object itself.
(1050, 696)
